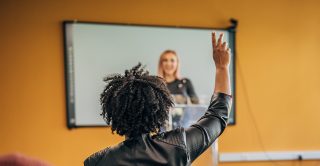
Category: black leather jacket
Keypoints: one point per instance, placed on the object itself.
(179, 147)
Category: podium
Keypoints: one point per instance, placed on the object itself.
(183, 115)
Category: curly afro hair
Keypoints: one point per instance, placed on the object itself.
(135, 103)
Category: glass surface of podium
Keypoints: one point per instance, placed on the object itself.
(184, 115)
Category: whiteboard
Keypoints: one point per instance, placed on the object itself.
(94, 50)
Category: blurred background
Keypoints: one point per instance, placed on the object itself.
(277, 74)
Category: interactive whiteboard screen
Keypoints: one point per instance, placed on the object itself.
(94, 50)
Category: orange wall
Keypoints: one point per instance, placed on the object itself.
(278, 72)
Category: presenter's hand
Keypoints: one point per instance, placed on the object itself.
(221, 52)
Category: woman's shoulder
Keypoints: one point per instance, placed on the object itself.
(185, 80)
(96, 157)
(175, 137)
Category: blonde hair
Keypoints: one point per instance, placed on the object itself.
(160, 68)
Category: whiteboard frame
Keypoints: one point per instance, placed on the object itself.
(69, 66)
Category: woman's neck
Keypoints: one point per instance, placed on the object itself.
(169, 78)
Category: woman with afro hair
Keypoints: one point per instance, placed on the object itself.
(136, 105)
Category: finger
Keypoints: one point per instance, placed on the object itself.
(224, 45)
(220, 39)
(228, 50)
(214, 42)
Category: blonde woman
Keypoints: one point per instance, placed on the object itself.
(181, 88)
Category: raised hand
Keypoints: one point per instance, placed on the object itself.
(221, 57)
(221, 52)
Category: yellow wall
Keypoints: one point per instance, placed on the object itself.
(278, 72)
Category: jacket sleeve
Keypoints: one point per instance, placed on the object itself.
(191, 93)
(210, 126)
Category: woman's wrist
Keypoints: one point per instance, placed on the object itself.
(222, 82)
(223, 68)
